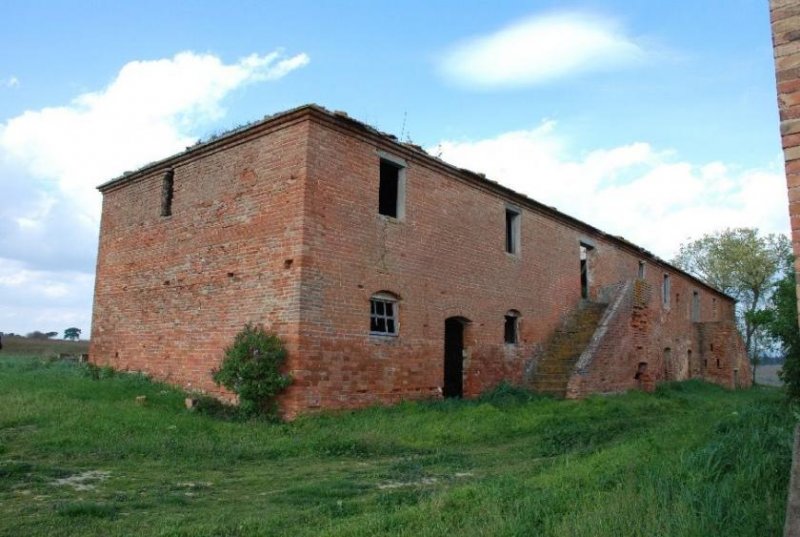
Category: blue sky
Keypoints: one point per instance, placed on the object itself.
(652, 120)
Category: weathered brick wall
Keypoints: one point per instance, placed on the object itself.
(671, 348)
(785, 16)
(722, 355)
(172, 291)
(446, 258)
(279, 225)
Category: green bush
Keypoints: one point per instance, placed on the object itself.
(252, 370)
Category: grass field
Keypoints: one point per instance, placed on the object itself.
(79, 457)
(42, 348)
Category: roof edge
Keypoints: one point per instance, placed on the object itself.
(343, 120)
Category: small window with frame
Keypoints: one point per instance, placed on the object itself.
(383, 319)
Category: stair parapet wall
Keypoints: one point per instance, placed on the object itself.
(604, 365)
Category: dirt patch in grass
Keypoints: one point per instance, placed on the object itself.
(84, 481)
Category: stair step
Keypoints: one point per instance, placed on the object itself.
(565, 347)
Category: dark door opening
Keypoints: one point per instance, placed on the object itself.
(453, 358)
(585, 271)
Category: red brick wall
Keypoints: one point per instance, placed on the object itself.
(785, 15)
(718, 343)
(638, 331)
(446, 258)
(283, 229)
(172, 291)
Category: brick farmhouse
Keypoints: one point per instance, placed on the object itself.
(388, 273)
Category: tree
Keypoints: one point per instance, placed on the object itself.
(744, 265)
(72, 333)
(784, 328)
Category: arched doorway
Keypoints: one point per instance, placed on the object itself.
(454, 357)
(669, 373)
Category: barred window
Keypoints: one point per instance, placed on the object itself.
(383, 315)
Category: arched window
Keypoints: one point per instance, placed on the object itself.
(511, 332)
(383, 314)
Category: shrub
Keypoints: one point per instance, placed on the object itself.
(252, 370)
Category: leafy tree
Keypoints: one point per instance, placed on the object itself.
(252, 370)
(784, 328)
(744, 265)
(72, 333)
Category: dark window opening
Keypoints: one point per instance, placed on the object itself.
(585, 250)
(695, 306)
(718, 366)
(640, 370)
(383, 315)
(511, 327)
(641, 270)
(389, 189)
(512, 231)
(167, 192)
(665, 290)
(712, 346)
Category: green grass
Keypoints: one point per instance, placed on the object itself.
(41, 348)
(79, 457)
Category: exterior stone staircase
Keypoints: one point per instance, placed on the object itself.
(565, 347)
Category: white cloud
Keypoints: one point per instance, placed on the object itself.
(650, 197)
(10, 82)
(52, 159)
(147, 112)
(540, 49)
(43, 300)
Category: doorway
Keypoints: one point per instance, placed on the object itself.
(585, 252)
(453, 357)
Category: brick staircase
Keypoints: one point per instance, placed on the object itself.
(564, 349)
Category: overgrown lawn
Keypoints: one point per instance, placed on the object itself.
(78, 456)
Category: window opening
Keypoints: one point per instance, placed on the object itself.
(714, 308)
(390, 189)
(512, 231)
(585, 250)
(167, 192)
(695, 306)
(641, 270)
(383, 315)
(511, 332)
(665, 290)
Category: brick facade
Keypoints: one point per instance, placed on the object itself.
(785, 16)
(278, 224)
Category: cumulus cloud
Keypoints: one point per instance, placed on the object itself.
(52, 159)
(649, 196)
(149, 111)
(540, 49)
